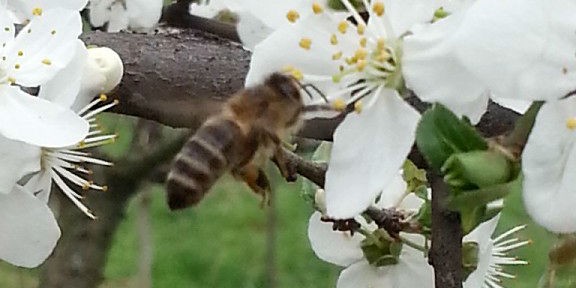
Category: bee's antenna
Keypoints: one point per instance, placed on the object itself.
(306, 86)
(569, 94)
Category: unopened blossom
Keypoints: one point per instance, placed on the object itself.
(353, 64)
(512, 51)
(42, 48)
(492, 254)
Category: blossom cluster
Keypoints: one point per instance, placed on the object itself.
(48, 79)
(460, 54)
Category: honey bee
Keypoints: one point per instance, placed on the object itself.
(247, 132)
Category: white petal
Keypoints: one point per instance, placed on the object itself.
(482, 235)
(99, 12)
(369, 149)
(516, 105)
(404, 14)
(273, 13)
(393, 192)
(143, 14)
(118, 20)
(436, 74)
(251, 29)
(7, 29)
(46, 49)
(37, 121)
(102, 73)
(40, 185)
(281, 49)
(516, 56)
(18, 159)
(549, 166)
(29, 231)
(411, 271)
(25, 7)
(333, 246)
(411, 202)
(65, 86)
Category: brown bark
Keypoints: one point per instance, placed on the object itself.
(446, 250)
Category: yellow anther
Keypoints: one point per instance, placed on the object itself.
(17, 66)
(383, 56)
(116, 101)
(297, 74)
(46, 62)
(11, 80)
(81, 144)
(360, 54)
(339, 104)
(363, 42)
(20, 53)
(343, 26)
(37, 11)
(317, 8)
(361, 28)
(104, 188)
(358, 106)
(360, 65)
(381, 44)
(292, 16)
(378, 8)
(86, 185)
(571, 123)
(333, 39)
(103, 97)
(337, 55)
(351, 60)
(305, 43)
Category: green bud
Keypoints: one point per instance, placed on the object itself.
(479, 168)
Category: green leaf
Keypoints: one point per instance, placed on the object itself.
(440, 134)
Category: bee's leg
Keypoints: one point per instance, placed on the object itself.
(287, 168)
(256, 179)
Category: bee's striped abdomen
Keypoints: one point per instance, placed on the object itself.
(203, 159)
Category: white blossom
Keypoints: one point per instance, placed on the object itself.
(516, 50)
(351, 62)
(344, 249)
(135, 15)
(492, 254)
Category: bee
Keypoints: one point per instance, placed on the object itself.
(247, 132)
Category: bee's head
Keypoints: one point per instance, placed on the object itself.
(287, 98)
(285, 85)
